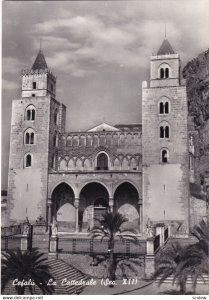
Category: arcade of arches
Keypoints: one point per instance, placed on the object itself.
(80, 215)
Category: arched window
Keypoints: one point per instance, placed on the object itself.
(29, 137)
(102, 162)
(161, 73)
(166, 107)
(28, 161)
(164, 71)
(161, 108)
(56, 116)
(161, 132)
(53, 161)
(164, 131)
(164, 156)
(55, 139)
(30, 113)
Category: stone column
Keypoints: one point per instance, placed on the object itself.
(49, 204)
(111, 204)
(76, 204)
(140, 214)
(149, 266)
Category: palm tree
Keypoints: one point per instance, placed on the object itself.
(194, 263)
(167, 266)
(25, 266)
(110, 228)
(182, 262)
(196, 256)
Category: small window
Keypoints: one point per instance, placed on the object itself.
(166, 108)
(161, 73)
(164, 156)
(56, 116)
(164, 132)
(164, 71)
(167, 132)
(30, 113)
(53, 161)
(161, 108)
(55, 139)
(29, 137)
(33, 95)
(161, 132)
(28, 161)
(34, 85)
(102, 162)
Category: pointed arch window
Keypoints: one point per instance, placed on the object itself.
(29, 137)
(30, 113)
(102, 162)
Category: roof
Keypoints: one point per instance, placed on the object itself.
(40, 62)
(129, 127)
(165, 48)
(104, 127)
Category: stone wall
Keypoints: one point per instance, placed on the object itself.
(78, 151)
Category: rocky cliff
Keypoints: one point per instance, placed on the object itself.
(196, 73)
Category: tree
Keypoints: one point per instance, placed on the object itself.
(25, 266)
(195, 260)
(167, 266)
(110, 227)
(183, 262)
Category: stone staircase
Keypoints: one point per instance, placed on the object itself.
(189, 280)
(59, 270)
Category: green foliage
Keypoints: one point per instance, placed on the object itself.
(25, 266)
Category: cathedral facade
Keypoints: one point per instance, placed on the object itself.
(140, 170)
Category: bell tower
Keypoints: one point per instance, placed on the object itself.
(37, 120)
(39, 81)
(165, 145)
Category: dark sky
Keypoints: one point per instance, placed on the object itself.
(99, 50)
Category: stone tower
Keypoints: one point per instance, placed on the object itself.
(37, 120)
(165, 145)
